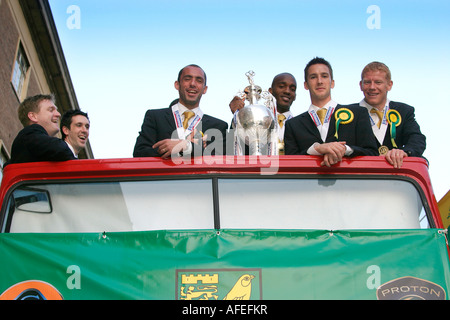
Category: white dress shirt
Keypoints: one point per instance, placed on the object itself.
(288, 115)
(182, 109)
(378, 132)
(71, 148)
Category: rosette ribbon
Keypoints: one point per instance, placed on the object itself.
(394, 119)
(343, 116)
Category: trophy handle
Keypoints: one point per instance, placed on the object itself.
(269, 101)
(242, 95)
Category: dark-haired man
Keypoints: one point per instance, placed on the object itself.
(182, 128)
(37, 141)
(328, 129)
(75, 130)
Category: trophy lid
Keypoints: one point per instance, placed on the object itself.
(253, 92)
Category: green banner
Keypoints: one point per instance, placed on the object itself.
(226, 265)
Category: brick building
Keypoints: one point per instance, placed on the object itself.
(31, 62)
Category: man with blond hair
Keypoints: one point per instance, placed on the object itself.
(37, 141)
(394, 125)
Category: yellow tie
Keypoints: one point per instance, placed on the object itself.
(281, 118)
(321, 113)
(187, 115)
(379, 114)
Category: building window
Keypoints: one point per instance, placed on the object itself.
(21, 66)
(4, 156)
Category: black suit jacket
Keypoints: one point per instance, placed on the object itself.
(301, 133)
(409, 138)
(33, 144)
(159, 124)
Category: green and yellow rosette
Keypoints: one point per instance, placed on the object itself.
(394, 119)
(343, 116)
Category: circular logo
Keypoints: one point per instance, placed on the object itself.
(31, 290)
(383, 150)
(410, 288)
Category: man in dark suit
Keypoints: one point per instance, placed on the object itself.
(394, 125)
(37, 141)
(182, 129)
(328, 129)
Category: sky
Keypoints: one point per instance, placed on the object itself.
(124, 57)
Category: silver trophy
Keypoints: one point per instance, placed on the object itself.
(255, 123)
